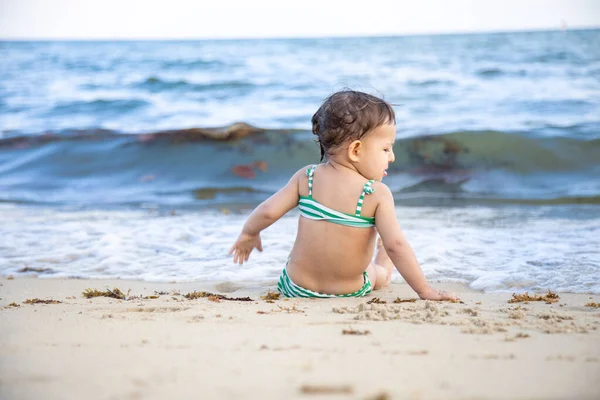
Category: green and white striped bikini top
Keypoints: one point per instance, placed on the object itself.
(312, 209)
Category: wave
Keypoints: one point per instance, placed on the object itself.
(497, 72)
(431, 82)
(244, 163)
(101, 107)
(555, 106)
(487, 150)
(555, 57)
(155, 84)
(193, 64)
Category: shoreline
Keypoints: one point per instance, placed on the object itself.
(170, 346)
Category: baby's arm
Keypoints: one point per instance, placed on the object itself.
(263, 216)
(399, 250)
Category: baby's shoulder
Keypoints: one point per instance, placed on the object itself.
(307, 168)
(381, 191)
(301, 175)
(304, 171)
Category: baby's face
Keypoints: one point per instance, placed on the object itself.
(378, 152)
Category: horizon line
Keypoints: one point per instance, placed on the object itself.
(330, 36)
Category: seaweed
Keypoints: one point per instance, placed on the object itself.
(376, 300)
(549, 297)
(196, 295)
(355, 332)
(213, 297)
(13, 305)
(155, 296)
(322, 389)
(115, 293)
(381, 396)
(40, 301)
(36, 270)
(271, 296)
(399, 300)
(593, 305)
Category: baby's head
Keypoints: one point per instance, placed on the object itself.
(349, 115)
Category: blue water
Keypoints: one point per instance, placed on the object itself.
(542, 82)
(93, 134)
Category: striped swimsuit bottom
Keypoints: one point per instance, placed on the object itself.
(289, 289)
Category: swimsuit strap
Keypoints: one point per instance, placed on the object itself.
(367, 189)
(310, 172)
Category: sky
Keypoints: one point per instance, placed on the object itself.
(201, 19)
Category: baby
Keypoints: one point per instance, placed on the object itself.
(343, 205)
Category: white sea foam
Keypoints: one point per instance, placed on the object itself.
(502, 249)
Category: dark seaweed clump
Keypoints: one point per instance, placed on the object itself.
(115, 293)
(40, 301)
(525, 297)
(212, 296)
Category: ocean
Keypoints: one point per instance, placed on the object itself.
(142, 159)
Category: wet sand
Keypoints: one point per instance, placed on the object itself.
(212, 348)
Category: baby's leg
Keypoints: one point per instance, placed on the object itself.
(380, 271)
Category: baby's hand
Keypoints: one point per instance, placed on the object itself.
(243, 247)
(438, 295)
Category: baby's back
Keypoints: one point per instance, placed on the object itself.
(330, 257)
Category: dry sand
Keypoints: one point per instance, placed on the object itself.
(174, 348)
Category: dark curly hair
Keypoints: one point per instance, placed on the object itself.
(349, 114)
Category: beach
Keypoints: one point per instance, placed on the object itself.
(129, 168)
(159, 344)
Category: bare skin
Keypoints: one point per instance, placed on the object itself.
(330, 258)
(381, 267)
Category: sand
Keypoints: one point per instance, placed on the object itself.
(171, 347)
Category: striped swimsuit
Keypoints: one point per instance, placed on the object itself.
(312, 209)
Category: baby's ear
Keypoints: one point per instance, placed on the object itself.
(354, 150)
